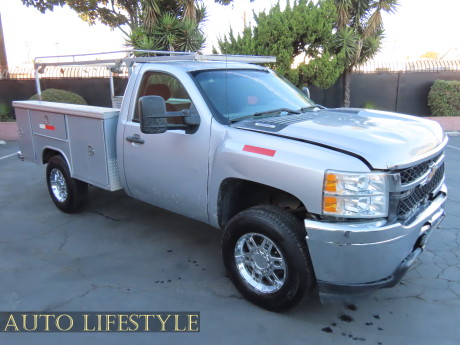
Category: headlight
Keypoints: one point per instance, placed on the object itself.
(355, 195)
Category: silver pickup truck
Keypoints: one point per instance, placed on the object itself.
(339, 199)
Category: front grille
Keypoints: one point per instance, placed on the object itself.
(418, 196)
(411, 174)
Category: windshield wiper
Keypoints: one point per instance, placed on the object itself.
(312, 107)
(280, 110)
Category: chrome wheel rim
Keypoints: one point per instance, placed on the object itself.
(260, 263)
(58, 185)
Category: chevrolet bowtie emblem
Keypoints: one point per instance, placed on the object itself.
(433, 168)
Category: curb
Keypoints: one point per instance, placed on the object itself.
(453, 134)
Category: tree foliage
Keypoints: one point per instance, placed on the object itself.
(154, 24)
(169, 25)
(5, 113)
(113, 13)
(305, 29)
(226, 2)
(430, 55)
(444, 98)
(360, 27)
(360, 33)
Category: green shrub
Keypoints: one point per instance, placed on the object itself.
(60, 96)
(371, 105)
(5, 113)
(444, 98)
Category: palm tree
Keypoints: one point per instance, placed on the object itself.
(171, 25)
(189, 11)
(150, 13)
(360, 33)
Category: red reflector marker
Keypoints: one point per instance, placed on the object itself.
(51, 128)
(259, 150)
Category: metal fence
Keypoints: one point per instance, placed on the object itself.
(409, 66)
(60, 73)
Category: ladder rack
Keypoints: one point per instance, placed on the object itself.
(159, 56)
(128, 61)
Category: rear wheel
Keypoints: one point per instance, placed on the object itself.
(68, 194)
(267, 258)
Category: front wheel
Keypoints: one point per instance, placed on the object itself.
(68, 194)
(267, 258)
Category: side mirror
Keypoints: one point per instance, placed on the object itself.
(191, 119)
(152, 115)
(306, 91)
(154, 118)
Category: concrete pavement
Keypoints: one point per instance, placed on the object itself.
(120, 254)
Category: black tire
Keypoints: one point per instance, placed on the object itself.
(77, 191)
(288, 235)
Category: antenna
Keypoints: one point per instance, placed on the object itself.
(27, 50)
(226, 84)
(57, 50)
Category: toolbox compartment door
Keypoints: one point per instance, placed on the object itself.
(88, 150)
(26, 143)
(48, 124)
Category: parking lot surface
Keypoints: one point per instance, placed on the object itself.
(120, 254)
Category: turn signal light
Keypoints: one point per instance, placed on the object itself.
(330, 204)
(331, 183)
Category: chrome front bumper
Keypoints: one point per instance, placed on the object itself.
(353, 258)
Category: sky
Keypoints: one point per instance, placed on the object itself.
(417, 27)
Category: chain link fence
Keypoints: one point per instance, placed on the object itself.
(60, 73)
(409, 66)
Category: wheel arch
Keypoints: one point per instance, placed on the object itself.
(49, 152)
(236, 195)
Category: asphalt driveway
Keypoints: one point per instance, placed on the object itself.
(120, 254)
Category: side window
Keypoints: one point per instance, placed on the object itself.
(167, 87)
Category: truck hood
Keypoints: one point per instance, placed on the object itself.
(380, 138)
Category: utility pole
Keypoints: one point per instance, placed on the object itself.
(244, 18)
(3, 61)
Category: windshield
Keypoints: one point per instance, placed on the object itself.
(237, 93)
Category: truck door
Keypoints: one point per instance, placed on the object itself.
(169, 170)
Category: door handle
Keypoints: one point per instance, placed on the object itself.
(135, 139)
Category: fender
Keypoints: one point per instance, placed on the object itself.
(293, 166)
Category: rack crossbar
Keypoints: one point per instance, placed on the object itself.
(237, 58)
